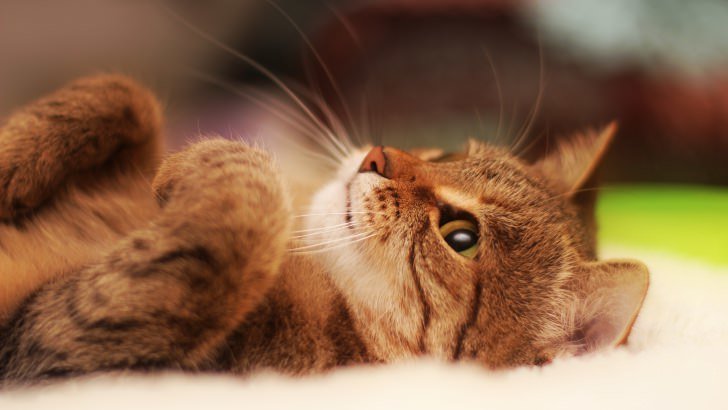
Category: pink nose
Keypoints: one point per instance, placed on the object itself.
(375, 161)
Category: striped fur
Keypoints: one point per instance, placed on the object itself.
(105, 271)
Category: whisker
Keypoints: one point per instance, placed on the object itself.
(328, 160)
(530, 145)
(526, 129)
(336, 123)
(289, 117)
(371, 118)
(330, 241)
(333, 149)
(364, 119)
(287, 110)
(323, 234)
(323, 227)
(512, 123)
(257, 66)
(479, 120)
(499, 91)
(337, 127)
(360, 133)
(322, 63)
(329, 248)
(340, 213)
(327, 231)
(346, 24)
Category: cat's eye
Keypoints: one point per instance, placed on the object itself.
(462, 236)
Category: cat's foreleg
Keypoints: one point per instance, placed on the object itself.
(90, 124)
(168, 294)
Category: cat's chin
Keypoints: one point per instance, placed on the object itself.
(339, 203)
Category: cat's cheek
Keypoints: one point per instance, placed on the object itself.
(334, 199)
(328, 206)
(363, 185)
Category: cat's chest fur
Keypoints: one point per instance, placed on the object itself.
(303, 325)
(68, 234)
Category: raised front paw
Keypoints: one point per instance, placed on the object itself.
(78, 127)
(228, 196)
(214, 167)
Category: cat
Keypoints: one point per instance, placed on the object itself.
(473, 256)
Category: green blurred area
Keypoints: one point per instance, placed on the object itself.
(688, 221)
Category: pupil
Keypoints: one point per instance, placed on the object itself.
(461, 239)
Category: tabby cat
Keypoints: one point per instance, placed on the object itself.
(469, 256)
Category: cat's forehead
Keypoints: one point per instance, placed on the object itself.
(490, 181)
(478, 157)
(485, 168)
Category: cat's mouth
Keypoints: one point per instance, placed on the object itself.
(334, 211)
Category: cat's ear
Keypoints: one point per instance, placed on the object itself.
(574, 159)
(609, 296)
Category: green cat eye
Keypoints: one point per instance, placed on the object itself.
(462, 236)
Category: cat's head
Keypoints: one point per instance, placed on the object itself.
(475, 255)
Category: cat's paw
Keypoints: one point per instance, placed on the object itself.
(79, 127)
(227, 192)
(19, 193)
(202, 165)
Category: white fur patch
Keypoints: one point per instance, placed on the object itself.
(364, 277)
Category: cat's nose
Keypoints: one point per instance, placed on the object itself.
(375, 161)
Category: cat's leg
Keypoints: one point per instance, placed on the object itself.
(75, 172)
(83, 126)
(168, 294)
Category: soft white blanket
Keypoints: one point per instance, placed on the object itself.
(677, 358)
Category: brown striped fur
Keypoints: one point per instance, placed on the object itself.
(104, 270)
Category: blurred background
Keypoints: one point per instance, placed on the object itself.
(430, 72)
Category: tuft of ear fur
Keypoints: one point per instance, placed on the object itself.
(575, 159)
(609, 296)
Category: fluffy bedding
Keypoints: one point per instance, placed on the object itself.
(677, 357)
